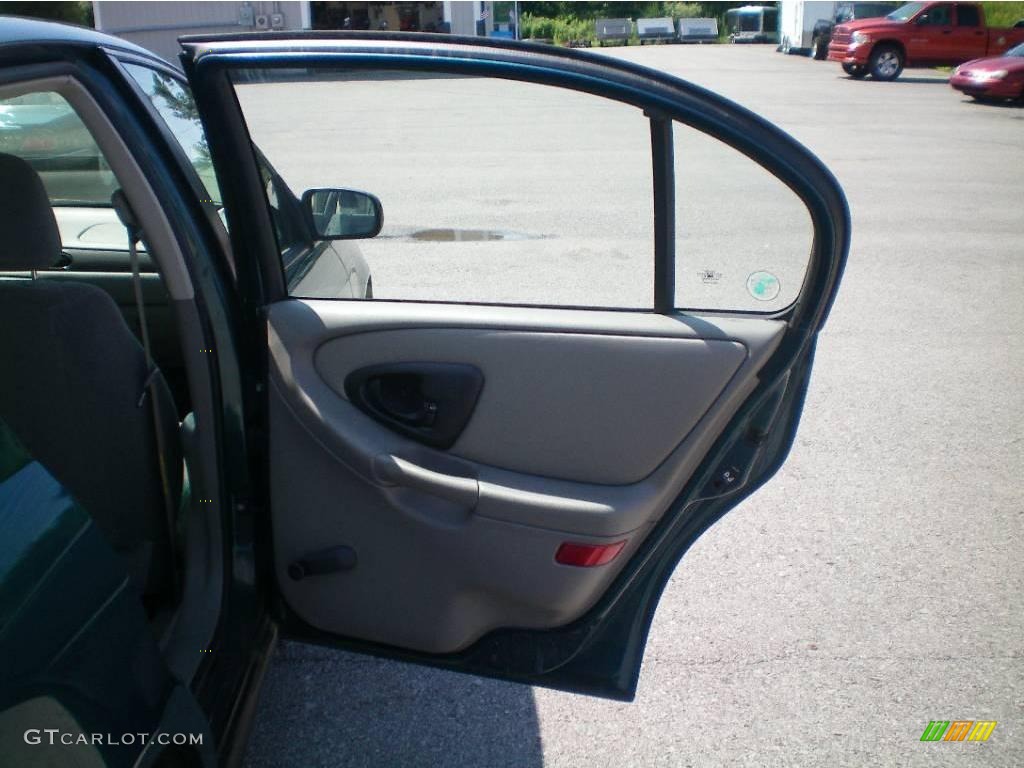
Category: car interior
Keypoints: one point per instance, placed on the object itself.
(114, 420)
(93, 246)
(77, 369)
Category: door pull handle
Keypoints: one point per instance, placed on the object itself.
(394, 470)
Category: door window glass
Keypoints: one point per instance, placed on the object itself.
(937, 16)
(173, 100)
(743, 238)
(967, 16)
(493, 190)
(43, 129)
(508, 192)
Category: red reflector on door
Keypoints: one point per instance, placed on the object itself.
(588, 555)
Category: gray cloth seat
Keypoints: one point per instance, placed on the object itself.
(73, 375)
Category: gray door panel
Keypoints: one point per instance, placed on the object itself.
(588, 426)
(561, 405)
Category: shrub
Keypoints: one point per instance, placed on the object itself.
(537, 26)
(560, 30)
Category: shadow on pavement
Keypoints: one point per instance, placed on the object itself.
(928, 80)
(321, 707)
(1000, 104)
(898, 80)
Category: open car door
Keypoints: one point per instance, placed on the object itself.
(480, 477)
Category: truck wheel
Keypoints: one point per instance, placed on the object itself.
(856, 71)
(820, 48)
(886, 62)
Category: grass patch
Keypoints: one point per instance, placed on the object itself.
(1003, 14)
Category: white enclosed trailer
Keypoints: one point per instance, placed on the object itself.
(797, 19)
(698, 30)
(655, 29)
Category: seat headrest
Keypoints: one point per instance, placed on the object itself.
(29, 238)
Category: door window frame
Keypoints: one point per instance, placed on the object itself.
(663, 99)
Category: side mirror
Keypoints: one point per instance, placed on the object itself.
(922, 19)
(342, 214)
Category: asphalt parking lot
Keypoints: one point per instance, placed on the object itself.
(876, 583)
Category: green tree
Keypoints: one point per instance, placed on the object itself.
(74, 12)
(691, 10)
(1003, 14)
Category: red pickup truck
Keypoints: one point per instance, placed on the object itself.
(918, 35)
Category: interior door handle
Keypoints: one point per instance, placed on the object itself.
(394, 470)
(428, 402)
(401, 401)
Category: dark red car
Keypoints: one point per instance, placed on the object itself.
(995, 77)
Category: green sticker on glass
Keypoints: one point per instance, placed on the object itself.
(763, 286)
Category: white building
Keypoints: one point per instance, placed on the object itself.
(158, 25)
